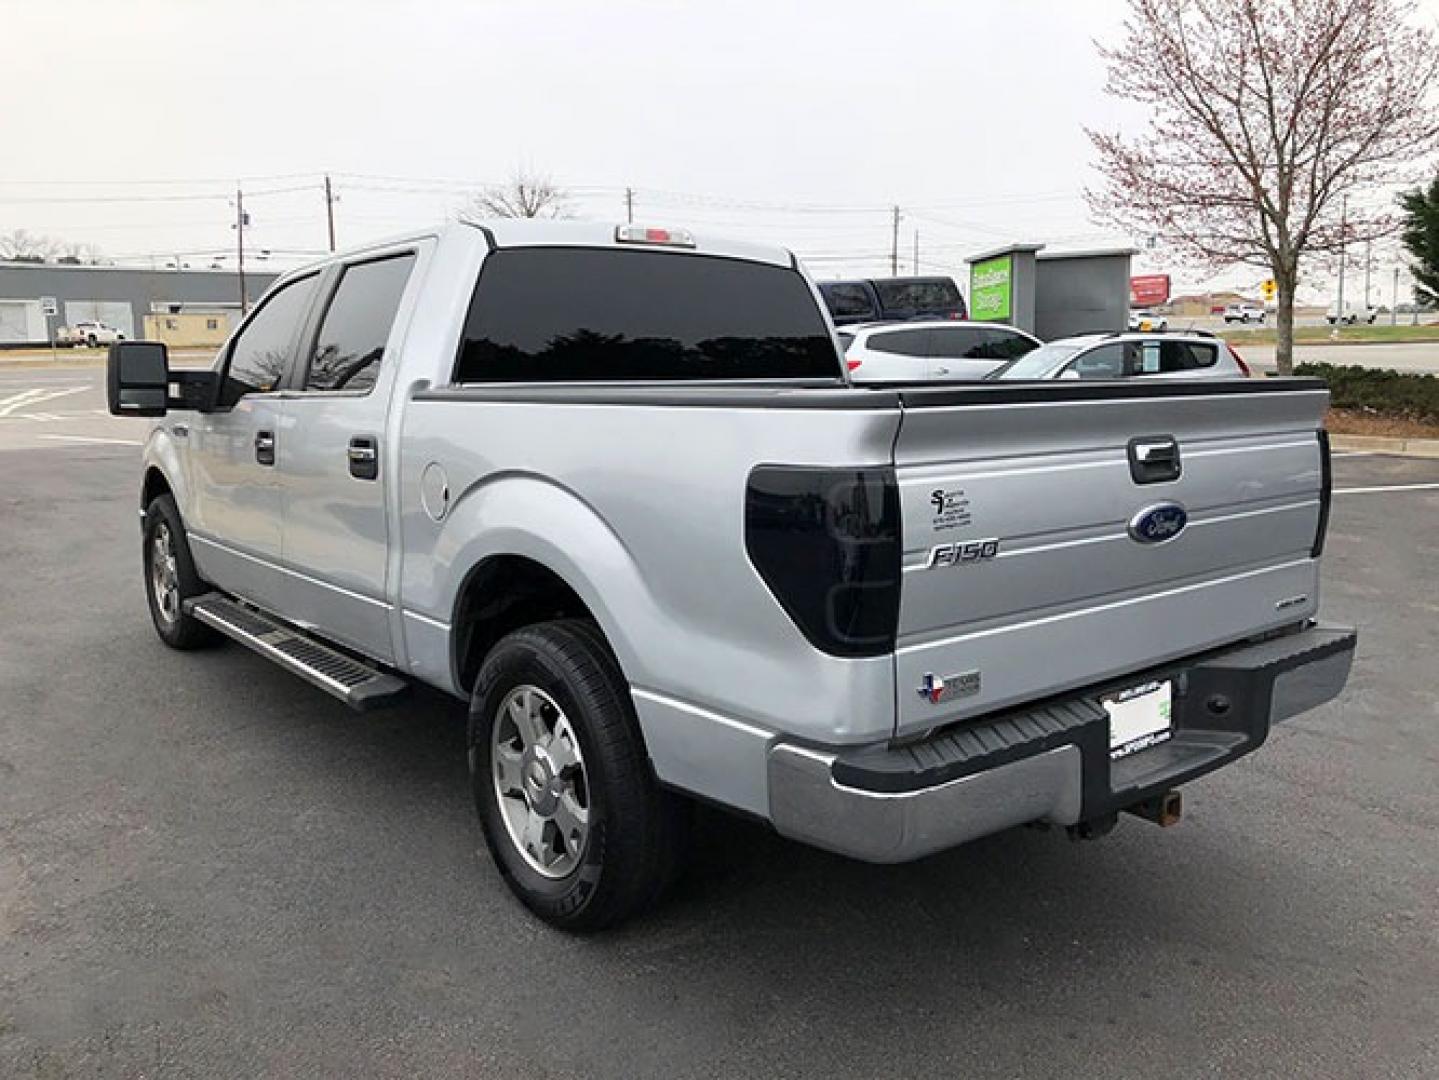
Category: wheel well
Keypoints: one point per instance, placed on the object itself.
(155, 486)
(501, 595)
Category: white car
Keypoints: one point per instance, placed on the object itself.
(931, 350)
(1148, 321)
(1244, 313)
(1125, 356)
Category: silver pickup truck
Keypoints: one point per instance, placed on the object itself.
(613, 487)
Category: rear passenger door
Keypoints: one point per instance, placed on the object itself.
(333, 471)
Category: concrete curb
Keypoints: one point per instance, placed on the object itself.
(1383, 444)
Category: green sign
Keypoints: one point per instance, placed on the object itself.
(990, 284)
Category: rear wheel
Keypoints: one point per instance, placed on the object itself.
(573, 815)
(171, 579)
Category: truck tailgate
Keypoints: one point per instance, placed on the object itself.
(1043, 550)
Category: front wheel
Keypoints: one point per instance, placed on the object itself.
(572, 812)
(171, 578)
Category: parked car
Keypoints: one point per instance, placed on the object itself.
(926, 350)
(89, 332)
(1353, 314)
(1148, 321)
(1244, 313)
(613, 488)
(1124, 356)
(891, 299)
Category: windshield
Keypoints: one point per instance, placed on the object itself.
(1039, 363)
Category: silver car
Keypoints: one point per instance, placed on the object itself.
(930, 350)
(1124, 356)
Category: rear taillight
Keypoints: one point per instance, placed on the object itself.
(1326, 494)
(827, 543)
(853, 365)
(1240, 361)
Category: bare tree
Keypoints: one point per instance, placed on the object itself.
(1263, 115)
(526, 195)
(19, 245)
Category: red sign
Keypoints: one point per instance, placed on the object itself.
(1148, 290)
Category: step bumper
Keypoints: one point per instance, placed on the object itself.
(1048, 762)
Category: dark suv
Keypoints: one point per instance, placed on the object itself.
(890, 299)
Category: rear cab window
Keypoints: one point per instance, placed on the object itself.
(550, 314)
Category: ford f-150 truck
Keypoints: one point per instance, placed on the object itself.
(613, 487)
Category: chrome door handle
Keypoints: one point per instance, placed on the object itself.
(364, 455)
(180, 431)
(265, 447)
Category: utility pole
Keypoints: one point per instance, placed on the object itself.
(916, 251)
(330, 210)
(630, 205)
(1343, 228)
(894, 247)
(240, 246)
(1394, 301)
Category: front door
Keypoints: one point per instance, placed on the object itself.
(235, 512)
(335, 468)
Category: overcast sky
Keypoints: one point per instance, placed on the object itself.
(799, 122)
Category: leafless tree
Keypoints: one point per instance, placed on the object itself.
(20, 245)
(1263, 115)
(526, 195)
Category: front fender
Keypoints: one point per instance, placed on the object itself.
(162, 453)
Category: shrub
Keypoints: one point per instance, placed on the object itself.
(1395, 394)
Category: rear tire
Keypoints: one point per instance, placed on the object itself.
(171, 578)
(583, 834)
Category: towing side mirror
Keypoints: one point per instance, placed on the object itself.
(138, 378)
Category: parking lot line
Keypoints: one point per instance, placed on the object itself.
(1385, 487)
(91, 439)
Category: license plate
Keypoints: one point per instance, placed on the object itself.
(1139, 717)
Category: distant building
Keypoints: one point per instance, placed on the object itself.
(122, 297)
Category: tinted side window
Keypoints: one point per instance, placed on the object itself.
(262, 353)
(846, 299)
(565, 314)
(1105, 362)
(357, 324)
(1185, 356)
(900, 342)
(974, 343)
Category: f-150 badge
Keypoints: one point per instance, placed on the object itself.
(958, 554)
(937, 689)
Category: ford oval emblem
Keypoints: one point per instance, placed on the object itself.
(1158, 523)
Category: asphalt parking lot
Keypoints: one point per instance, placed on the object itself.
(208, 868)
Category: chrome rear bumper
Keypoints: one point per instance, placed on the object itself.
(1048, 762)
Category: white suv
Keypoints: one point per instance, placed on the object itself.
(931, 350)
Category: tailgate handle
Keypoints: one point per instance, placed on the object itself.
(1154, 459)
